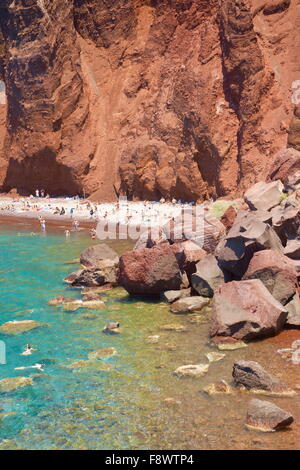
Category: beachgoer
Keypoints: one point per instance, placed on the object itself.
(37, 193)
(67, 233)
(35, 366)
(28, 350)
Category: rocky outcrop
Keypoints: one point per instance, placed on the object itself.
(245, 310)
(183, 99)
(264, 196)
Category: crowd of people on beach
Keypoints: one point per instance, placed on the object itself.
(74, 209)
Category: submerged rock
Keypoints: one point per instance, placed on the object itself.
(17, 327)
(173, 327)
(196, 370)
(101, 353)
(152, 339)
(112, 327)
(265, 416)
(59, 300)
(11, 384)
(217, 388)
(232, 346)
(251, 375)
(190, 304)
(214, 356)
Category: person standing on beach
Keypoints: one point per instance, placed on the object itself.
(37, 193)
(76, 224)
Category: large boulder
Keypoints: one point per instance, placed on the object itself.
(266, 416)
(292, 249)
(208, 276)
(254, 377)
(264, 196)
(151, 271)
(247, 236)
(245, 310)
(203, 229)
(276, 272)
(94, 255)
(286, 222)
(285, 166)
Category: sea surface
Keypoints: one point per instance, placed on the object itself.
(125, 406)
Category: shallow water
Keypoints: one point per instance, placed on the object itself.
(124, 407)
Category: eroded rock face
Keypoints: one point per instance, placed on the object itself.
(146, 98)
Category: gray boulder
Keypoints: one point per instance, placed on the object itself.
(264, 196)
(94, 255)
(208, 276)
(247, 236)
(292, 249)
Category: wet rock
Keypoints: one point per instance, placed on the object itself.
(96, 289)
(93, 277)
(264, 196)
(101, 353)
(91, 297)
(190, 304)
(265, 416)
(214, 356)
(96, 254)
(152, 339)
(112, 328)
(293, 308)
(292, 249)
(12, 384)
(197, 370)
(231, 346)
(245, 310)
(17, 327)
(89, 316)
(71, 277)
(173, 295)
(276, 272)
(208, 276)
(218, 388)
(173, 327)
(59, 300)
(247, 236)
(151, 271)
(251, 375)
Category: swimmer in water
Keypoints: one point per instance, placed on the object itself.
(35, 366)
(28, 350)
(67, 233)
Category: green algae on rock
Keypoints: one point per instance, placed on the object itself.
(17, 327)
(13, 383)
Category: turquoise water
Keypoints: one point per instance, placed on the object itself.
(123, 407)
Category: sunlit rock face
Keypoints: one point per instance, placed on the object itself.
(147, 98)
